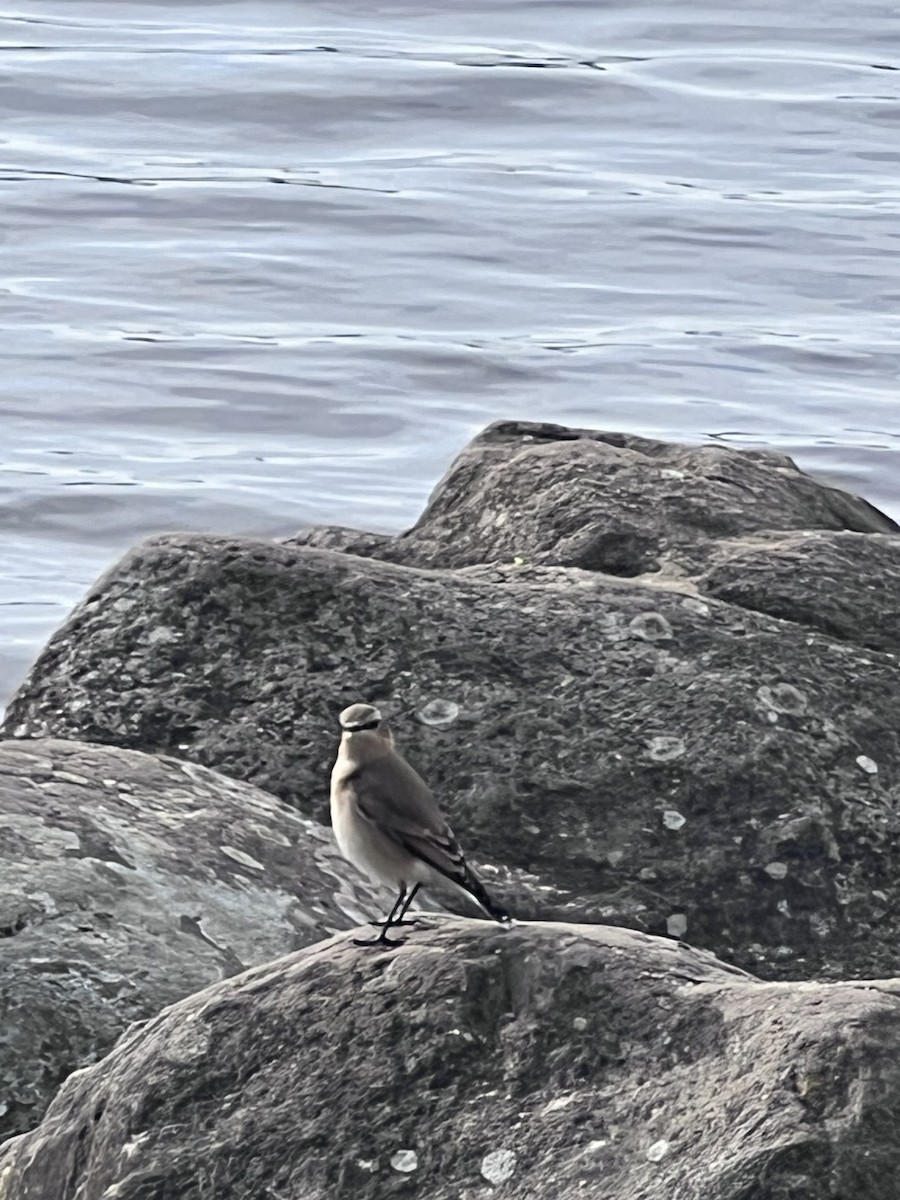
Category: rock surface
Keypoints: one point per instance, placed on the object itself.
(632, 748)
(846, 585)
(127, 882)
(609, 502)
(552, 1061)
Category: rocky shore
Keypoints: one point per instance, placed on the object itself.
(656, 689)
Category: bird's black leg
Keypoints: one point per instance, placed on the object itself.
(392, 919)
(395, 913)
(403, 902)
(404, 908)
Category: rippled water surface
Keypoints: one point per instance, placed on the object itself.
(271, 263)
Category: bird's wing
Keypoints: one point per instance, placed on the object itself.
(390, 794)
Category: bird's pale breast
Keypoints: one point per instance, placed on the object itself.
(364, 844)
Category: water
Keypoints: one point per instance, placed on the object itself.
(266, 263)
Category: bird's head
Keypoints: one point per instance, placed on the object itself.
(359, 717)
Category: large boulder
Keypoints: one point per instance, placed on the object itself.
(610, 502)
(127, 882)
(556, 1061)
(634, 749)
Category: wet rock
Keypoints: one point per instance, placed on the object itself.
(553, 1060)
(622, 748)
(127, 882)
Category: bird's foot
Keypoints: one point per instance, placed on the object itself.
(388, 943)
(394, 924)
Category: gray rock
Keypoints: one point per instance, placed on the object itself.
(623, 748)
(587, 712)
(846, 585)
(609, 502)
(552, 1061)
(127, 882)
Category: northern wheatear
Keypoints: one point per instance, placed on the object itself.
(387, 823)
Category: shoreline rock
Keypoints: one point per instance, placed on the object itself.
(610, 502)
(643, 749)
(127, 882)
(653, 686)
(553, 1060)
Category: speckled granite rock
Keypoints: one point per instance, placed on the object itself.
(646, 753)
(552, 1061)
(127, 882)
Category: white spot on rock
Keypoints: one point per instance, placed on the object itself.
(672, 819)
(498, 1166)
(676, 925)
(439, 714)
(650, 627)
(113, 1192)
(658, 1151)
(777, 870)
(665, 747)
(783, 698)
(269, 835)
(820, 926)
(45, 900)
(614, 857)
(405, 1161)
(579, 1023)
(70, 777)
(239, 856)
(162, 634)
(131, 1148)
(868, 764)
(695, 606)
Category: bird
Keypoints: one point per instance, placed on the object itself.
(387, 823)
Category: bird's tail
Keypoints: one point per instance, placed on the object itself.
(476, 889)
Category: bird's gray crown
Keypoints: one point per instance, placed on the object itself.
(360, 716)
